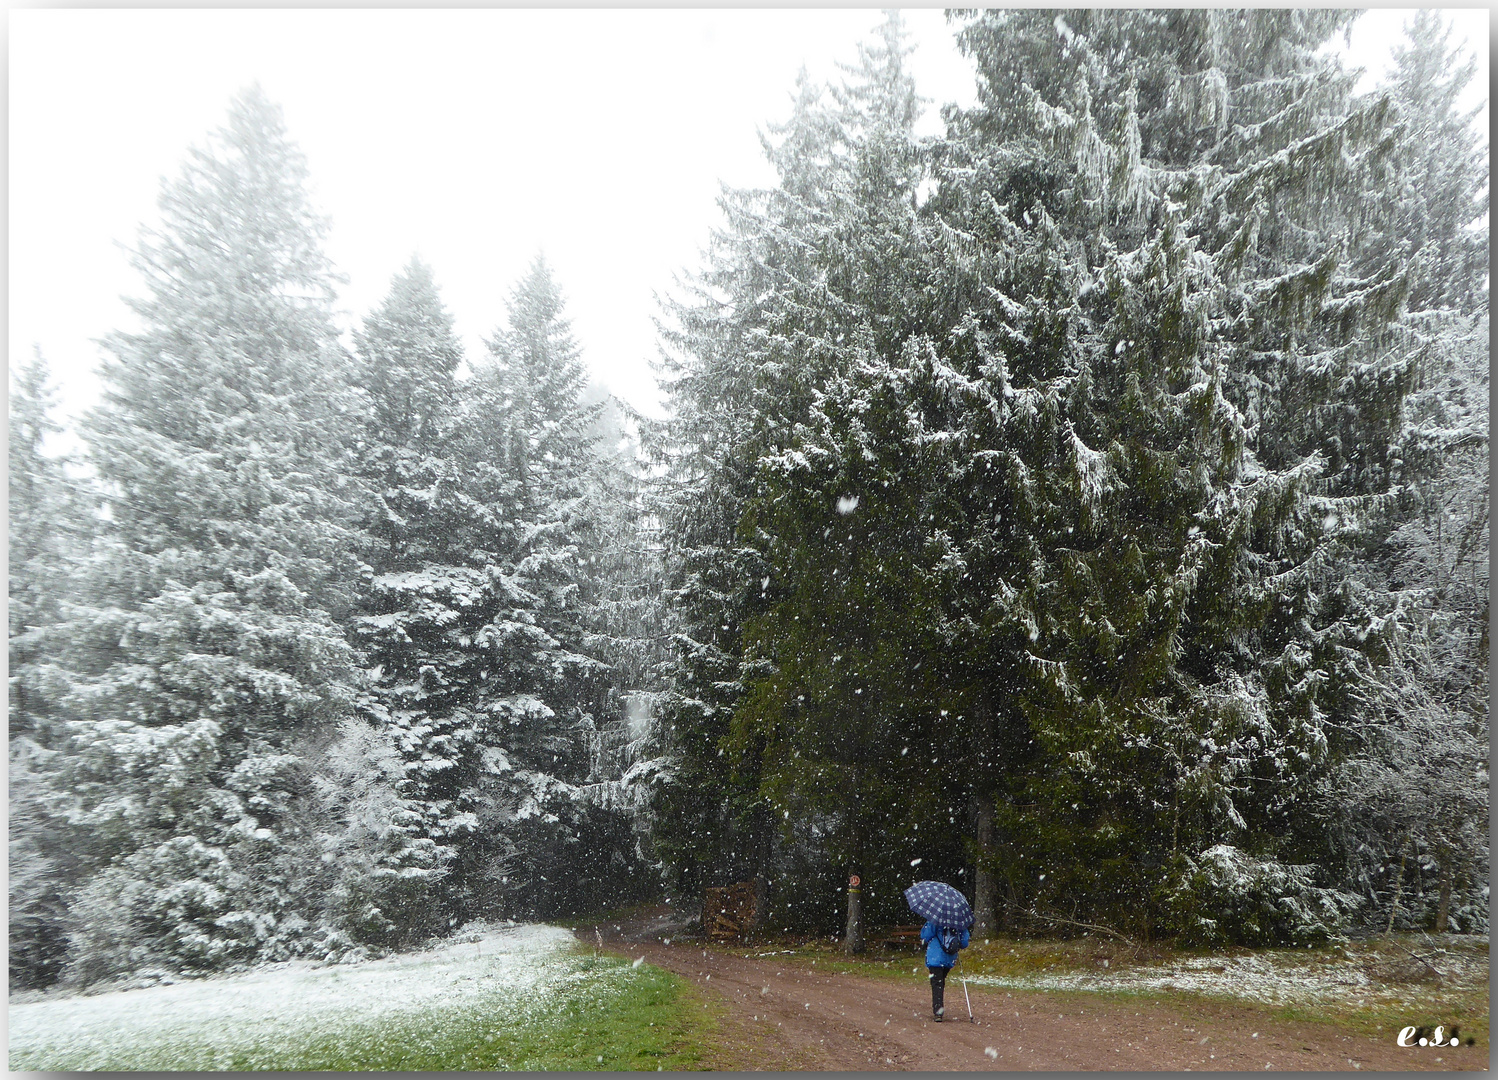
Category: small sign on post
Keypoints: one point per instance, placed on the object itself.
(853, 938)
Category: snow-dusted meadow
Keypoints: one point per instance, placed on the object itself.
(506, 976)
(1350, 975)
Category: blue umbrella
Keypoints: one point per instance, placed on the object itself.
(939, 902)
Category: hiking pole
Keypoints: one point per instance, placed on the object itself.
(971, 1018)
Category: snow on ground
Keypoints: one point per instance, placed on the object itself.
(1257, 977)
(1274, 976)
(508, 971)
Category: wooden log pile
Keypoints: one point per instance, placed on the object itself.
(728, 912)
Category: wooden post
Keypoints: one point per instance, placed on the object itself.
(853, 938)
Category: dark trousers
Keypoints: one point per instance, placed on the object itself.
(938, 987)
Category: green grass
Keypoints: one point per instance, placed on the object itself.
(1399, 992)
(648, 1022)
(607, 1015)
(1467, 1008)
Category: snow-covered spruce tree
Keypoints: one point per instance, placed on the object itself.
(49, 532)
(829, 617)
(49, 528)
(1211, 385)
(711, 826)
(746, 351)
(476, 625)
(628, 628)
(843, 638)
(1411, 801)
(1419, 783)
(936, 513)
(540, 459)
(204, 660)
(1441, 192)
(419, 519)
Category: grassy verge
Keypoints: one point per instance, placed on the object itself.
(641, 1018)
(599, 1013)
(1373, 987)
(1466, 1009)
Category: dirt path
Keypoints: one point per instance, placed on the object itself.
(788, 1015)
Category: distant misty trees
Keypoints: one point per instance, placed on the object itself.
(305, 664)
(1087, 506)
(1414, 788)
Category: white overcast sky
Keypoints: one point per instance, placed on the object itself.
(475, 138)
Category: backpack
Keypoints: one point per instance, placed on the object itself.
(951, 940)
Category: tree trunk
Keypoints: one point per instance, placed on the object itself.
(853, 938)
(764, 853)
(1443, 903)
(985, 891)
(1398, 888)
(983, 763)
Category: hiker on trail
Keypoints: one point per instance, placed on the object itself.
(943, 942)
(948, 916)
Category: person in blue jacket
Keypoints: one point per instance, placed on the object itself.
(939, 962)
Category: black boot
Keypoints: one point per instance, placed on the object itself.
(938, 987)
